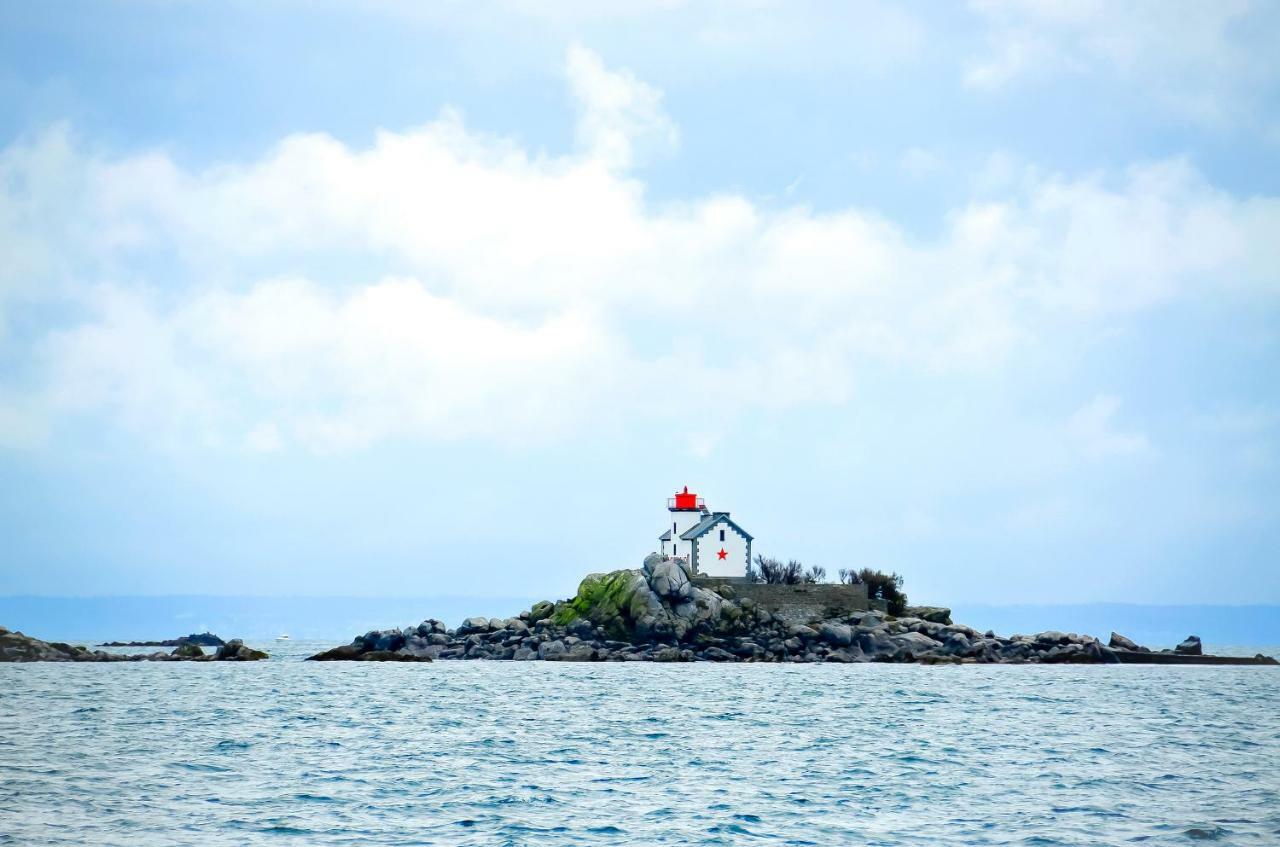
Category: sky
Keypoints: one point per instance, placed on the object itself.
(401, 299)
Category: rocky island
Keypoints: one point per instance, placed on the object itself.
(662, 613)
(17, 647)
(200, 639)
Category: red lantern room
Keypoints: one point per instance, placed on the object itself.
(686, 502)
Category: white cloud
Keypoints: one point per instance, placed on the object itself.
(442, 283)
(617, 112)
(1092, 430)
(1201, 60)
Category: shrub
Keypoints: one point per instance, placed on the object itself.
(849, 577)
(774, 572)
(884, 586)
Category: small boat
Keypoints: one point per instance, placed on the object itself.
(284, 636)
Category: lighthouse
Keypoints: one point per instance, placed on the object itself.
(712, 543)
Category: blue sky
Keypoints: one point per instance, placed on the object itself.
(310, 298)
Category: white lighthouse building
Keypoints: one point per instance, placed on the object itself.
(712, 543)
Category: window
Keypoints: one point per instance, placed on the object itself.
(673, 527)
(722, 535)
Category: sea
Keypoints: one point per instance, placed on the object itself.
(287, 752)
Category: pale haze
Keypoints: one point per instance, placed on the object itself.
(402, 300)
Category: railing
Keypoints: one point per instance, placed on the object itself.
(700, 503)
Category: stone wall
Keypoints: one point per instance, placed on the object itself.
(796, 603)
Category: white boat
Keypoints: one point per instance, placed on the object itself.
(284, 636)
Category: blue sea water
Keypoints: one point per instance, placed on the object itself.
(286, 752)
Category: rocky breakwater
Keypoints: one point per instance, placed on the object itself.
(17, 647)
(657, 613)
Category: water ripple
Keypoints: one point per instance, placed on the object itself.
(481, 753)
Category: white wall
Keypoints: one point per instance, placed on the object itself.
(710, 545)
(684, 521)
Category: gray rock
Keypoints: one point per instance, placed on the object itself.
(836, 634)
(390, 656)
(933, 614)
(716, 654)
(581, 652)
(871, 619)
(650, 562)
(915, 643)
(1119, 642)
(1190, 647)
(236, 651)
(845, 655)
(669, 579)
(552, 650)
(471, 625)
(345, 653)
(388, 641)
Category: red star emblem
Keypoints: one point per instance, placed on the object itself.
(722, 554)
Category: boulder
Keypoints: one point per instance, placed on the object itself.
(1190, 647)
(476, 624)
(669, 579)
(717, 654)
(915, 643)
(387, 641)
(236, 651)
(188, 651)
(933, 614)
(390, 656)
(836, 634)
(650, 562)
(671, 654)
(541, 610)
(552, 650)
(580, 652)
(867, 620)
(1119, 642)
(845, 655)
(614, 601)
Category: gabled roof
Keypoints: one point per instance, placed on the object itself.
(711, 520)
(666, 536)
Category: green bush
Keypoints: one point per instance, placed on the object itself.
(882, 586)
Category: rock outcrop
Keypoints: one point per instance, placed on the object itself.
(932, 614)
(658, 613)
(201, 639)
(1119, 642)
(1190, 647)
(17, 647)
